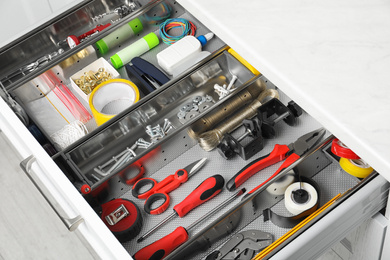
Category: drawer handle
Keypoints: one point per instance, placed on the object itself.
(70, 223)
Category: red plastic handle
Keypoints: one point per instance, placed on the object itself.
(141, 171)
(164, 246)
(208, 189)
(278, 154)
(141, 183)
(179, 177)
(157, 197)
(98, 28)
(167, 185)
(290, 160)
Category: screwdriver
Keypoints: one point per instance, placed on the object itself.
(164, 246)
(205, 191)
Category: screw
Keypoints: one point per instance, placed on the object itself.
(167, 125)
(282, 116)
(232, 82)
(143, 144)
(158, 131)
(247, 132)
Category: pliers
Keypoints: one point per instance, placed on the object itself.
(292, 152)
(243, 246)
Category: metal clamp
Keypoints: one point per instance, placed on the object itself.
(70, 223)
(117, 215)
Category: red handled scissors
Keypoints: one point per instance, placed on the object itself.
(159, 191)
(292, 152)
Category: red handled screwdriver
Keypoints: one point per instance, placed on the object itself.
(208, 189)
(164, 246)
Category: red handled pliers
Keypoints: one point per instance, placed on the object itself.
(292, 152)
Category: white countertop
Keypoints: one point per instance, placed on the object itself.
(331, 57)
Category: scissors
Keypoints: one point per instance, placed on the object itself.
(159, 191)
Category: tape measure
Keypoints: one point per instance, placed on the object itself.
(123, 218)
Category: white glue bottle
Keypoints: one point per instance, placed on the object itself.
(181, 51)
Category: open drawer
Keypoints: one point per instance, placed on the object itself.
(154, 137)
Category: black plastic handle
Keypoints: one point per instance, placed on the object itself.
(208, 189)
(152, 199)
(141, 183)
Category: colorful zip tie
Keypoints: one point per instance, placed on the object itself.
(188, 29)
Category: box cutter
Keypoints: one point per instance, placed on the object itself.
(245, 245)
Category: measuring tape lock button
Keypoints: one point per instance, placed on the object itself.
(123, 218)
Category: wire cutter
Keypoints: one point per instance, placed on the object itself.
(159, 191)
(292, 152)
(244, 246)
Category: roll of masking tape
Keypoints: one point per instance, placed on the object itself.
(119, 36)
(356, 167)
(299, 197)
(136, 49)
(112, 97)
(295, 219)
(279, 186)
(341, 150)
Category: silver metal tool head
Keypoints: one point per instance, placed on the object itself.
(244, 245)
(195, 166)
(307, 141)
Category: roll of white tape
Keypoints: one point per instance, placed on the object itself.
(279, 186)
(300, 196)
(112, 97)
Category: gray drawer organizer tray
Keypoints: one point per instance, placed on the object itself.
(176, 149)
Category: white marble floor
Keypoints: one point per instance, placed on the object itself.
(29, 228)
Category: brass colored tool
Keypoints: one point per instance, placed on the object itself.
(209, 140)
(214, 117)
